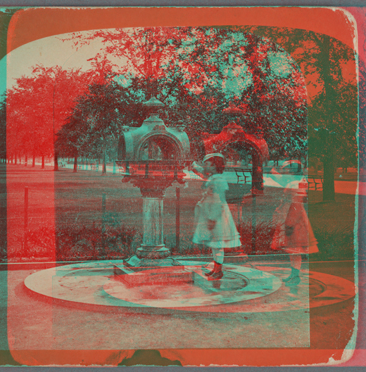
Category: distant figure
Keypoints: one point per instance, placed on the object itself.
(215, 226)
(293, 232)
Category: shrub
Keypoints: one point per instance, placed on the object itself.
(95, 242)
(334, 245)
(78, 243)
(263, 237)
(112, 240)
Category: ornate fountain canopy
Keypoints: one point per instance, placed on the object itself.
(232, 110)
(180, 126)
(154, 152)
(153, 103)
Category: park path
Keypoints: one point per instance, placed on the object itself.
(269, 180)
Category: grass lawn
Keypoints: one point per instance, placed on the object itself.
(73, 203)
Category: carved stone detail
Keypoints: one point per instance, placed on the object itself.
(151, 187)
(152, 192)
(154, 254)
(160, 128)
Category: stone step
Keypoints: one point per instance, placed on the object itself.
(156, 276)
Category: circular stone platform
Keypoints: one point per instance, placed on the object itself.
(238, 284)
(242, 289)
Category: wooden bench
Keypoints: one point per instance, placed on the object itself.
(242, 173)
(315, 181)
(93, 166)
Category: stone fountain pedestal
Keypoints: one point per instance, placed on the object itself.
(153, 230)
(152, 252)
(154, 157)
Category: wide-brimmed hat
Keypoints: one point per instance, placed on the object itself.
(213, 155)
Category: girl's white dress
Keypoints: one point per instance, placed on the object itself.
(213, 206)
(292, 215)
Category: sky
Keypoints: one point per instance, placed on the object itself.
(50, 51)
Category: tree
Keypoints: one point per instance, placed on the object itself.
(362, 130)
(92, 123)
(207, 68)
(3, 128)
(329, 68)
(37, 106)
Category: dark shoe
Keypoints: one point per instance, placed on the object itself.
(217, 268)
(293, 282)
(210, 272)
(206, 267)
(294, 273)
(216, 276)
(288, 278)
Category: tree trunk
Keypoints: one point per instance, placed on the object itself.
(26, 160)
(114, 166)
(15, 156)
(257, 174)
(328, 161)
(34, 160)
(42, 161)
(328, 181)
(75, 164)
(104, 170)
(56, 161)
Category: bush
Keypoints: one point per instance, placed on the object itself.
(3, 253)
(34, 244)
(79, 243)
(337, 244)
(333, 245)
(95, 242)
(116, 241)
(263, 237)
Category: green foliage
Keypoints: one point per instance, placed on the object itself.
(3, 128)
(115, 241)
(78, 242)
(272, 74)
(94, 242)
(264, 232)
(37, 105)
(196, 72)
(329, 69)
(335, 243)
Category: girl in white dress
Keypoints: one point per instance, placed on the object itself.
(293, 232)
(215, 225)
